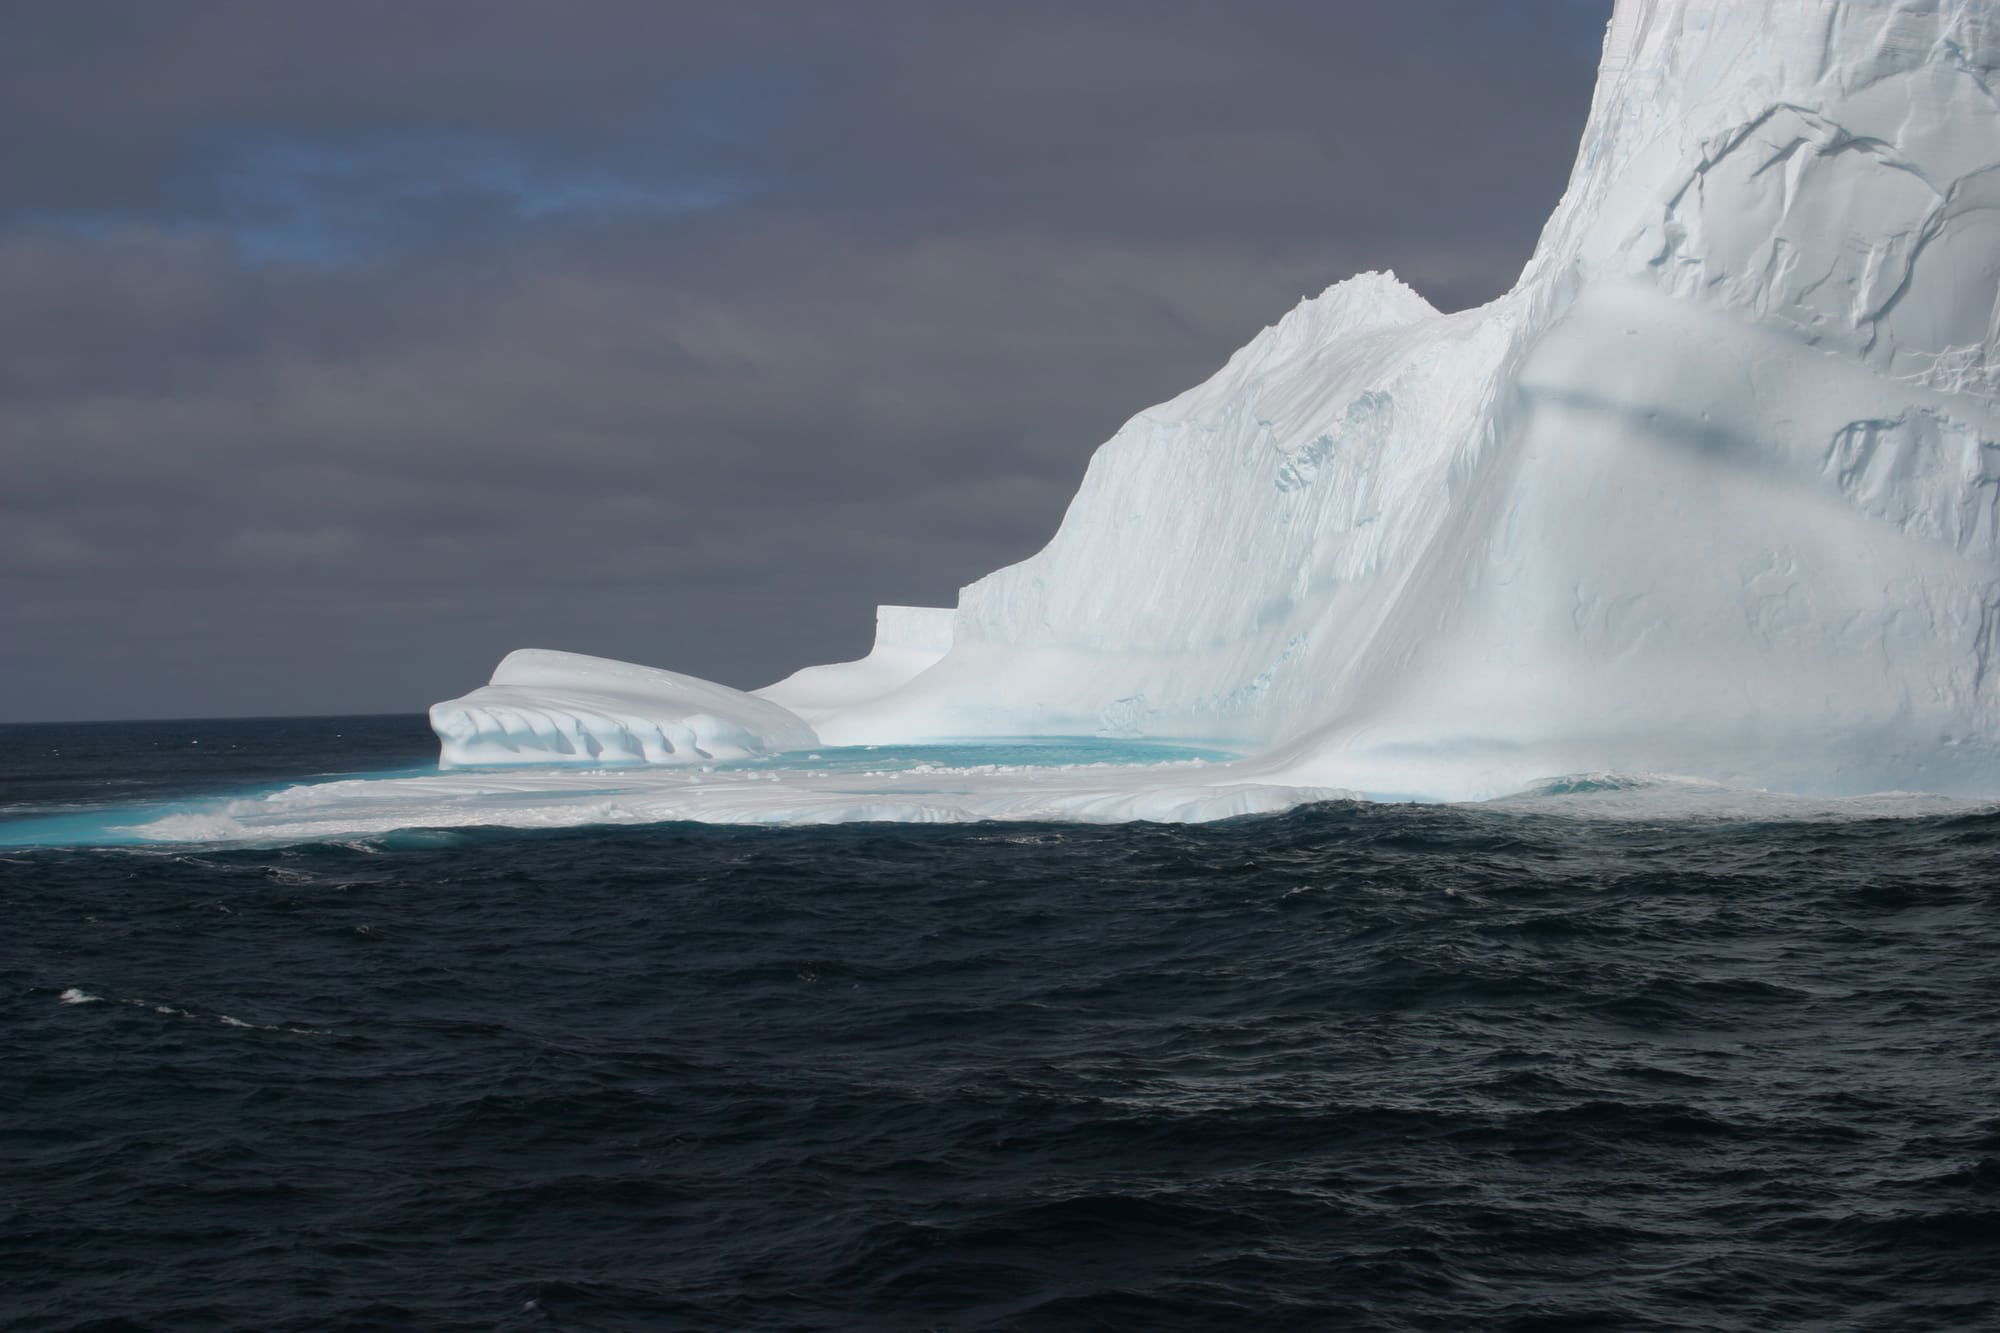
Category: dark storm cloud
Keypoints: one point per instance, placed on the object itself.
(345, 347)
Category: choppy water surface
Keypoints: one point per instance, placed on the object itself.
(1357, 1066)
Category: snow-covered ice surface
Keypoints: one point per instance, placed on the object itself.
(1713, 491)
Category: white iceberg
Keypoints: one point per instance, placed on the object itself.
(1713, 491)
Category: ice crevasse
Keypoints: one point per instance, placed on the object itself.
(1714, 490)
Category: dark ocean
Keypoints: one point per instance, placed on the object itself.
(1355, 1067)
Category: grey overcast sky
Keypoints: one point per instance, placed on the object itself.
(344, 347)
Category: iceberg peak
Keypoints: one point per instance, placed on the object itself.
(1353, 305)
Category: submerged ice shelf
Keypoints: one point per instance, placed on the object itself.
(919, 785)
(1713, 491)
(801, 792)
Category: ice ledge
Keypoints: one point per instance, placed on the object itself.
(909, 640)
(545, 707)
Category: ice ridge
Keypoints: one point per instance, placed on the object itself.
(551, 707)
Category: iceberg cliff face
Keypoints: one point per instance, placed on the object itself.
(1712, 491)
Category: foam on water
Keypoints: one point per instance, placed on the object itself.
(77, 995)
(1655, 797)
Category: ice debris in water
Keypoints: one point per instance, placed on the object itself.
(76, 995)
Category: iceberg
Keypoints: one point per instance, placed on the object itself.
(1713, 491)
